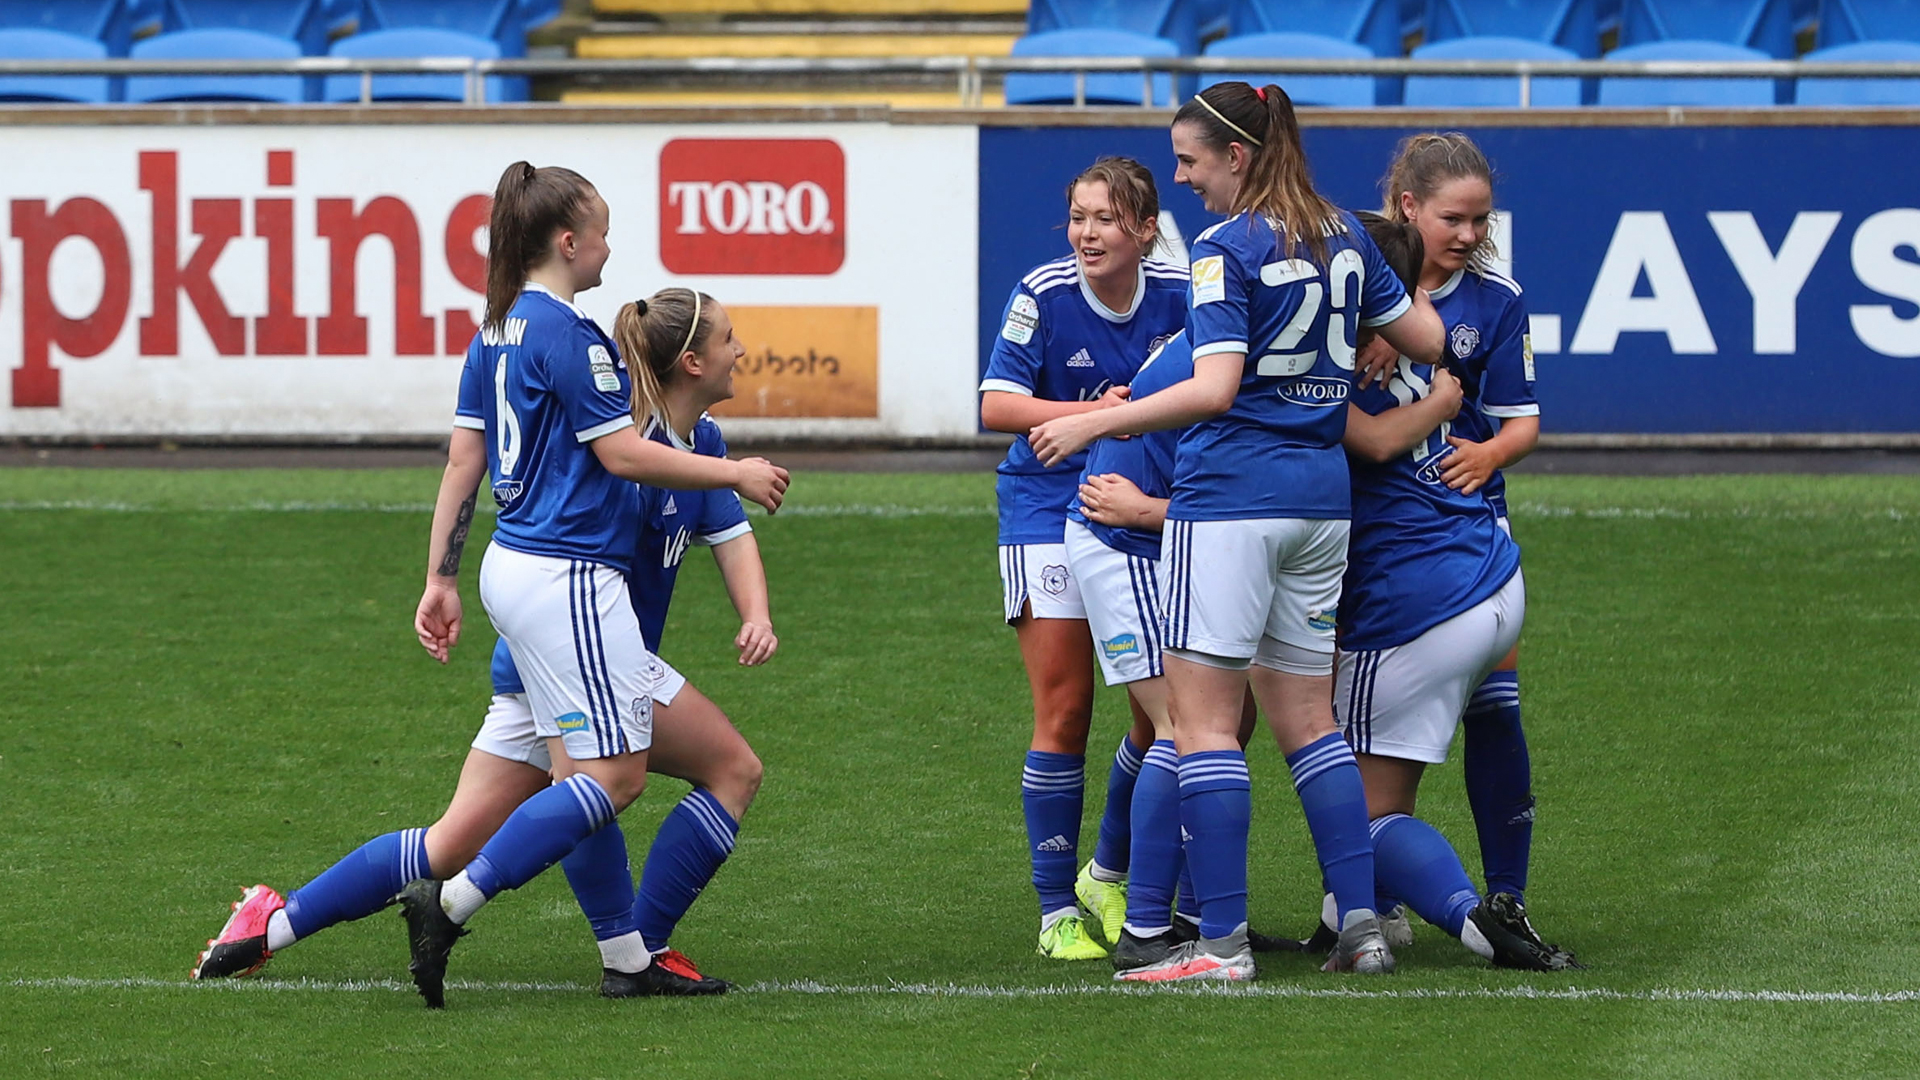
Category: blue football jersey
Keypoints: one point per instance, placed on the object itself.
(1058, 342)
(542, 387)
(671, 521)
(1420, 552)
(1147, 460)
(1487, 333)
(1276, 451)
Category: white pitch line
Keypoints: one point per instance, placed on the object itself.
(809, 988)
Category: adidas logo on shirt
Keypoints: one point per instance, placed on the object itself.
(1080, 359)
(670, 509)
(1057, 844)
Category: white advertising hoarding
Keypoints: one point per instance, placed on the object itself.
(324, 281)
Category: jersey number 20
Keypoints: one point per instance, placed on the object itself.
(1344, 273)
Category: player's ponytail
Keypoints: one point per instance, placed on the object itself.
(653, 334)
(1277, 184)
(1422, 163)
(529, 206)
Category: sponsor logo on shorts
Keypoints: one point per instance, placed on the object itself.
(1117, 647)
(1463, 339)
(1316, 391)
(1323, 621)
(573, 721)
(1053, 579)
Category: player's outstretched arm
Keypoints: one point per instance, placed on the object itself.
(1393, 432)
(1216, 379)
(437, 620)
(626, 454)
(745, 577)
(1016, 414)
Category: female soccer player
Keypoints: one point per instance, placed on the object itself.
(1075, 331)
(1434, 598)
(1255, 542)
(1442, 185)
(544, 410)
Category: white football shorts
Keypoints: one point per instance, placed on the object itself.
(1227, 584)
(1405, 702)
(509, 731)
(577, 644)
(1039, 574)
(1123, 606)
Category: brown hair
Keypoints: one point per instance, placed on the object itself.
(1131, 192)
(1422, 163)
(1399, 243)
(652, 333)
(1278, 184)
(529, 206)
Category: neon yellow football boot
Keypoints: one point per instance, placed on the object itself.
(1067, 939)
(1105, 900)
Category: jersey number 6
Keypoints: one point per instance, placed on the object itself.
(1282, 357)
(508, 424)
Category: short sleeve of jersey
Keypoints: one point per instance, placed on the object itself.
(722, 518)
(590, 384)
(1217, 316)
(470, 410)
(1507, 389)
(1383, 298)
(1014, 364)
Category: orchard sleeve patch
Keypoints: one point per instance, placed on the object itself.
(1022, 318)
(600, 362)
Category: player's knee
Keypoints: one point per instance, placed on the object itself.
(739, 780)
(622, 778)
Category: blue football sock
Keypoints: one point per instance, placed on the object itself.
(1216, 809)
(687, 851)
(602, 881)
(1052, 792)
(1116, 824)
(1418, 864)
(1155, 855)
(1328, 780)
(1499, 778)
(1187, 905)
(540, 833)
(360, 884)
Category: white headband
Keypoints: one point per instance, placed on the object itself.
(1224, 120)
(693, 326)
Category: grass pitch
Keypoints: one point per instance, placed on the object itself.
(213, 682)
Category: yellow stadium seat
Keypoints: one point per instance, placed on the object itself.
(683, 46)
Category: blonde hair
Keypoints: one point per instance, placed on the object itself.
(1424, 162)
(652, 335)
(1278, 184)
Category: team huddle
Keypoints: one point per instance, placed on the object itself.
(1266, 483)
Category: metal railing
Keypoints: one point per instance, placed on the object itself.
(971, 72)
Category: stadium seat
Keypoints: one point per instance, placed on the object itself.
(1766, 25)
(216, 45)
(110, 22)
(1861, 91)
(1374, 24)
(308, 22)
(1178, 21)
(504, 22)
(1570, 24)
(419, 43)
(1109, 88)
(1686, 91)
(1843, 22)
(1475, 91)
(36, 44)
(1350, 91)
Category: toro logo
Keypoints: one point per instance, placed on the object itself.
(752, 206)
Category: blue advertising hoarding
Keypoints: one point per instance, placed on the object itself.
(1681, 279)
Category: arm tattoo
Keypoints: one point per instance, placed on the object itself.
(457, 539)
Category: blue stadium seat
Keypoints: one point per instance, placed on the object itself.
(1475, 91)
(1372, 23)
(37, 44)
(1843, 22)
(504, 22)
(216, 45)
(1036, 88)
(110, 22)
(1570, 24)
(1350, 91)
(1766, 25)
(1179, 21)
(1686, 91)
(419, 43)
(1861, 91)
(308, 22)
